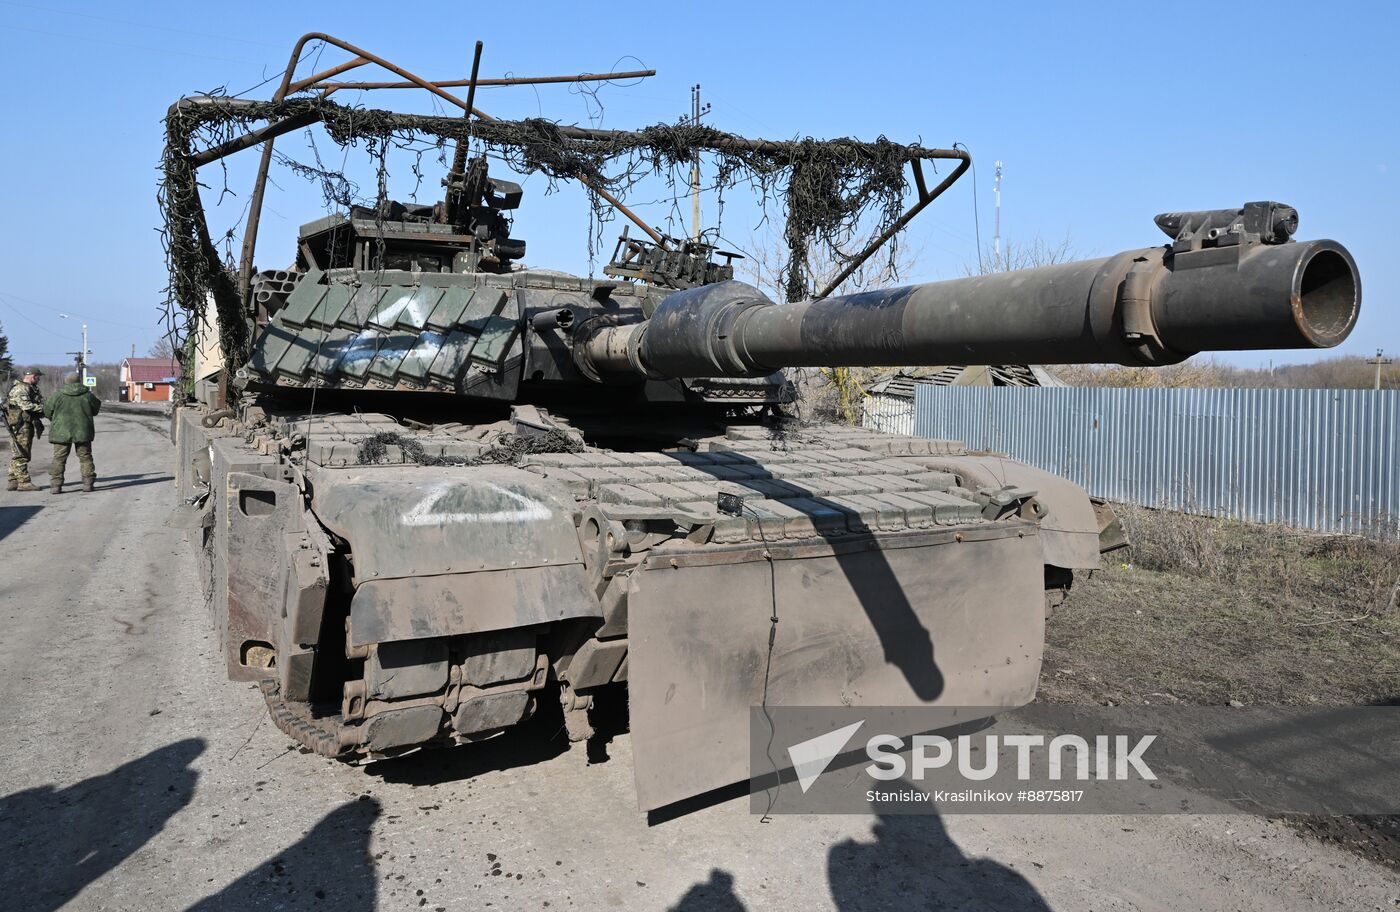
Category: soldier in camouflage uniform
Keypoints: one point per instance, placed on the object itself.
(70, 413)
(24, 410)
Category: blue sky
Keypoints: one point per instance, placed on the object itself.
(1104, 115)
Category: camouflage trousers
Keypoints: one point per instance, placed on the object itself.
(60, 461)
(19, 459)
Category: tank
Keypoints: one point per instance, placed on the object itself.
(447, 492)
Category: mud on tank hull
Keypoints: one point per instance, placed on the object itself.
(384, 607)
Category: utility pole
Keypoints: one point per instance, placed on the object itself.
(1378, 360)
(80, 357)
(996, 238)
(697, 110)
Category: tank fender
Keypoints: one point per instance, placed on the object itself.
(461, 603)
(947, 616)
(454, 550)
(1069, 532)
(412, 521)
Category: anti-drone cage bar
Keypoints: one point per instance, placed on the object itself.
(266, 134)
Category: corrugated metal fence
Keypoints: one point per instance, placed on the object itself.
(1316, 459)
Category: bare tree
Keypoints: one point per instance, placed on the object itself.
(1194, 373)
(163, 348)
(834, 393)
(1037, 252)
(1336, 372)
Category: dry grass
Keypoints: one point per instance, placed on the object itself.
(1206, 611)
(1359, 573)
(1203, 611)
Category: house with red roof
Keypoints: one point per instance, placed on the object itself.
(148, 379)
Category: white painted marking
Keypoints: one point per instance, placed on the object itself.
(426, 349)
(390, 312)
(425, 512)
(361, 347)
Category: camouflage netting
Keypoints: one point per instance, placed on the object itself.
(197, 272)
(824, 187)
(509, 449)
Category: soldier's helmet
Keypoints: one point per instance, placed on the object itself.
(34, 372)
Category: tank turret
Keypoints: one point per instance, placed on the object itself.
(402, 301)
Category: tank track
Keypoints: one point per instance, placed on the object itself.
(295, 721)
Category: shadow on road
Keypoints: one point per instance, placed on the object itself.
(11, 518)
(910, 863)
(713, 895)
(57, 841)
(330, 867)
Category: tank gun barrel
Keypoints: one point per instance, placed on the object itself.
(1229, 280)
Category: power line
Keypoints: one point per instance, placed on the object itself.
(61, 311)
(53, 332)
(976, 217)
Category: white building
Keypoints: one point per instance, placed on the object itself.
(889, 401)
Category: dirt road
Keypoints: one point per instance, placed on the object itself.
(136, 777)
